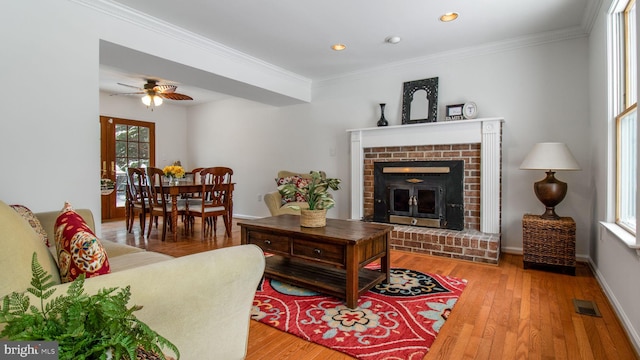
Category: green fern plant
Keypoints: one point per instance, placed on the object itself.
(85, 326)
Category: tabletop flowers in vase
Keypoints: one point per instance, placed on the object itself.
(173, 173)
(314, 191)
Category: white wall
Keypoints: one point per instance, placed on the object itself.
(614, 262)
(49, 131)
(541, 92)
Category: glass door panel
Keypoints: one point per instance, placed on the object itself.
(125, 143)
(426, 200)
(401, 201)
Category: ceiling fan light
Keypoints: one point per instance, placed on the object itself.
(152, 100)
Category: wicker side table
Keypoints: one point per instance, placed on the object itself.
(549, 243)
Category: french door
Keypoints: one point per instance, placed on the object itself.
(124, 143)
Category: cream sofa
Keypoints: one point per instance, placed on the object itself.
(200, 302)
(273, 200)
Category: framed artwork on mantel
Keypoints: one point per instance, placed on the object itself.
(420, 101)
(454, 112)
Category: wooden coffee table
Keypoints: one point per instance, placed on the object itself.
(329, 259)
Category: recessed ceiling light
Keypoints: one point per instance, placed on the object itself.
(450, 16)
(338, 47)
(393, 39)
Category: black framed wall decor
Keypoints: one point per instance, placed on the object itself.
(420, 101)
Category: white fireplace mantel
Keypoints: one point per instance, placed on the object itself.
(486, 131)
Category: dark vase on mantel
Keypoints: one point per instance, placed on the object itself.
(382, 121)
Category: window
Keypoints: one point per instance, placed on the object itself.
(626, 169)
(625, 108)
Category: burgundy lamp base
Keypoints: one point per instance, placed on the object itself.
(550, 191)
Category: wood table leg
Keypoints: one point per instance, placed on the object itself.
(352, 278)
(385, 261)
(174, 217)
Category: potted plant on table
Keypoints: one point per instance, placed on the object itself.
(99, 326)
(315, 192)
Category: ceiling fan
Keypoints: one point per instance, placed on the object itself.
(154, 93)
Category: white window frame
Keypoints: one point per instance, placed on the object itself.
(626, 210)
(623, 102)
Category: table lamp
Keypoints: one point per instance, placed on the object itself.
(550, 156)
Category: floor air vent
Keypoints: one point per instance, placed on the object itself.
(586, 307)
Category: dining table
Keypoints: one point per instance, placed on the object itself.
(185, 187)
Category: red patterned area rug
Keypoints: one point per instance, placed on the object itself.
(396, 320)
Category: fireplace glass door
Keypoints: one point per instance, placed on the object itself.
(416, 201)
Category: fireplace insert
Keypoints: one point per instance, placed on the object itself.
(420, 193)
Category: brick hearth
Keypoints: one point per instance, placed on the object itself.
(470, 245)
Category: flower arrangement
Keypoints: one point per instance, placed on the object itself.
(173, 171)
(316, 191)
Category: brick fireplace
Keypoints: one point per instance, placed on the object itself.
(475, 142)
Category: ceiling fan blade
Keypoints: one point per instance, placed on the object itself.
(175, 96)
(135, 93)
(165, 88)
(131, 86)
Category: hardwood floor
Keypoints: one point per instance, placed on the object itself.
(505, 312)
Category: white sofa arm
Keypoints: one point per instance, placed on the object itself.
(201, 302)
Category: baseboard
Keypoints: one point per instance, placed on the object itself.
(511, 250)
(246, 217)
(518, 251)
(633, 335)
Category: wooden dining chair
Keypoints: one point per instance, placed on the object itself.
(196, 180)
(160, 202)
(215, 201)
(136, 197)
(196, 174)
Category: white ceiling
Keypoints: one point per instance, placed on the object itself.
(296, 35)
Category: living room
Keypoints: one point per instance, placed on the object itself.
(552, 87)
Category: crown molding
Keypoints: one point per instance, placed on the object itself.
(468, 52)
(137, 18)
(591, 14)
(140, 19)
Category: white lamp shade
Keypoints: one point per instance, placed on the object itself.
(550, 156)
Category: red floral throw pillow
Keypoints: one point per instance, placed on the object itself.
(79, 250)
(283, 181)
(298, 181)
(31, 218)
